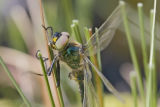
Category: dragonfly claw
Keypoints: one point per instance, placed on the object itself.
(37, 54)
(57, 84)
(71, 76)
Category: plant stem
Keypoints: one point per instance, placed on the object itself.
(76, 31)
(93, 58)
(59, 98)
(46, 79)
(149, 90)
(14, 83)
(143, 40)
(152, 66)
(133, 87)
(59, 88)
(132, 50)
(67, 10)
(98, 50)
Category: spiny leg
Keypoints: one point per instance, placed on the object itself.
(76, 75)
(58, 73)
(49, 31)
(44, 58)
(49, 71)
(47, 28)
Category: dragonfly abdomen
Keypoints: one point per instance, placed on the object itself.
(81, 89)
(72, 57)
(78, 76)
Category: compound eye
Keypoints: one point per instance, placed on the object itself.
(62, 41)
(57, 34)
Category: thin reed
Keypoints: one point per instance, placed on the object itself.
(14, 83)
(148, 96)
(57, 91)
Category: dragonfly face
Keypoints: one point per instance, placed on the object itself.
(60, 40)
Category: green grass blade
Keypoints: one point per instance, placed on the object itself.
(152, 64)
(57, 98)
(14, 83)
(132, 50)
(76, 31)
(149, 90)
(46, 79)
(99, 51)
(67, 11)
(143, 40)
(97, 80)
(99, 66)
(134, 88)
(54, 70)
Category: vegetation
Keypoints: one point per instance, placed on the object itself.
(24, 35)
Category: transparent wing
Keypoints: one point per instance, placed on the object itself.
(134, 27)
(90, 97)
(105, 32)
(105, 81)
(86, 100)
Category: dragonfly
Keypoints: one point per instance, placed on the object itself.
(76, 56)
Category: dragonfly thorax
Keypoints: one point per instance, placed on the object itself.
(60, 40)
(71, 55)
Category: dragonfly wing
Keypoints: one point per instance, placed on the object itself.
(90, 97)
(85, 99)
(106, 82)
(105, 32)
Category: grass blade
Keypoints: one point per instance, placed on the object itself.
(76, 31)
(96, 61)
(46, 79)
(14, 83)
(143, 40)
(134, 88)
(132, 50)
(59, 98)
(58, 88)
(152, 64)
(149, 90)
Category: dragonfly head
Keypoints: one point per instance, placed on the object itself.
(60, 40)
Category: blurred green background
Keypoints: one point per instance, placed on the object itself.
(21, 36)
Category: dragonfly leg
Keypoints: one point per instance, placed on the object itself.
(76, 75)
(58, 73)
(71, 76)
(44, 58)
(47, 28)
(50, 69)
